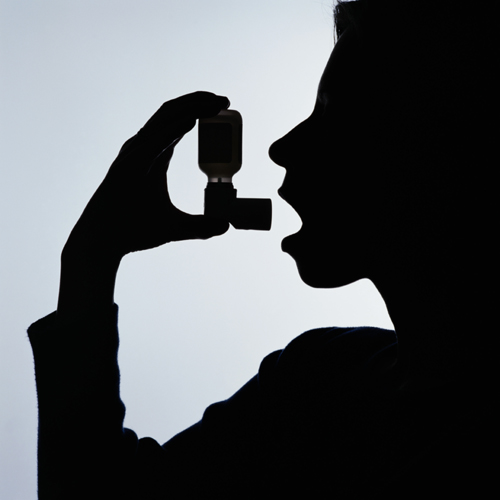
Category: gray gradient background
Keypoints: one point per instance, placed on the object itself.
(196, 318)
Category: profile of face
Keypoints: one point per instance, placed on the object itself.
(331, 181)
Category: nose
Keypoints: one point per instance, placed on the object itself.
(291, 149)
(284, 151)
(276, 151)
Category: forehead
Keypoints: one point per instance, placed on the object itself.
(344, 63)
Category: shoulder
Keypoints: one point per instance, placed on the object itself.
(343, 347)
(324, 365)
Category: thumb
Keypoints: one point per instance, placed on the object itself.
(202, 227)
(207, 227)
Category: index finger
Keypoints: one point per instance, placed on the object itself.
(180, 114)
(174, 119)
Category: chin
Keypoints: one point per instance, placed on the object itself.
(324, 277)
(321, 264)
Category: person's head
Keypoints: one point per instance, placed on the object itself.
(396, 162)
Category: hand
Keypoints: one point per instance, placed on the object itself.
(131, 210)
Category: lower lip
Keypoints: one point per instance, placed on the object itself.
(288, 243)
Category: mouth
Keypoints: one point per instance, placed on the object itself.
(292, 243)
(290, 201)
(284, 196)
(287, 244)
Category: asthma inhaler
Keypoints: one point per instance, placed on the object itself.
(220, 157)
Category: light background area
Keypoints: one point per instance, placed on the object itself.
(78, 77)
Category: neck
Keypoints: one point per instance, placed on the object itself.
(437, 315)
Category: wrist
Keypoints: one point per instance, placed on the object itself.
(87, 281)
(90, 255)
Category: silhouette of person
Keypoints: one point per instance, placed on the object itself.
(392, 177)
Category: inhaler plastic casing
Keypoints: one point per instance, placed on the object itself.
(220, 141)
(220, 157)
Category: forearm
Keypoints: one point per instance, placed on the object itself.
(80, 435)
(81, 415)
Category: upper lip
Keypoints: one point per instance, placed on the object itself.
(282, 191)
(284, 195)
